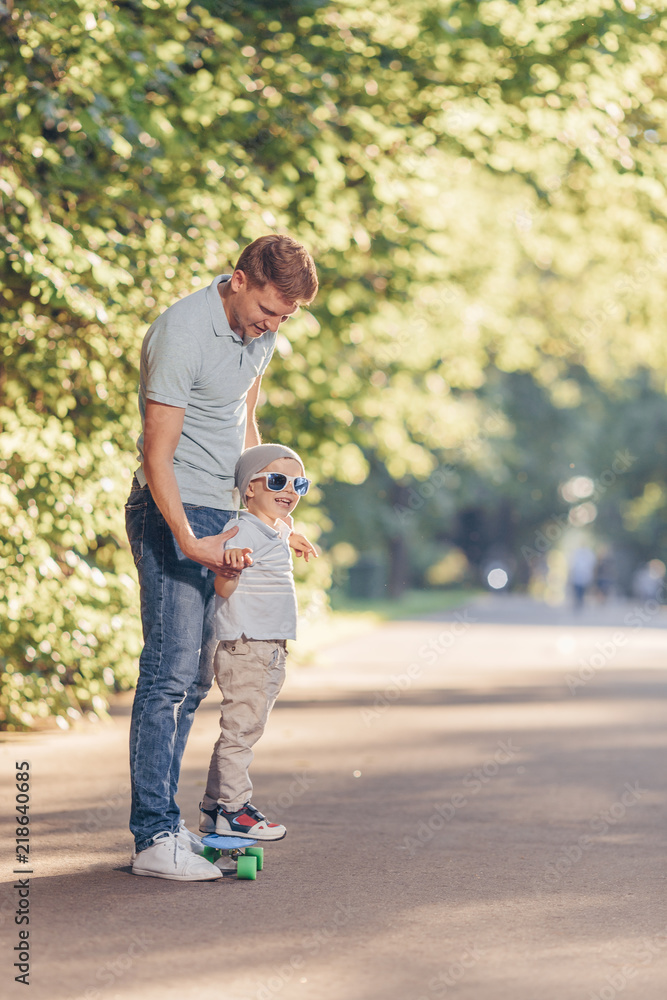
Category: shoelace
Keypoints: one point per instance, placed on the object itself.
(164, 836)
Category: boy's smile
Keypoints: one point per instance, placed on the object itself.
(269, 505)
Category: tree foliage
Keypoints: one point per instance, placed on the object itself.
(481, 184)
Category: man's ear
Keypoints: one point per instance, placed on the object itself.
(238, 280)
(250, 492)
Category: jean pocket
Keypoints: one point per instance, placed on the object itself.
(135, 525)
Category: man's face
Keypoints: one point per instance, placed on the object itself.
(254, 309)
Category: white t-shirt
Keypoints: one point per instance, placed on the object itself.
(263, 606)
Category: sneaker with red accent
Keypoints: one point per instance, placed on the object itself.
(245, 822)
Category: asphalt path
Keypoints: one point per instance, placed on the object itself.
(475, 805)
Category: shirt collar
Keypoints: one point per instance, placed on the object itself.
(266, 529)
(221, 326)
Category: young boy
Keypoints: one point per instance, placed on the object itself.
(255, 613)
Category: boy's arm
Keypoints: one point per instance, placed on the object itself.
(300, 544)
(234, 559)
(224, 586)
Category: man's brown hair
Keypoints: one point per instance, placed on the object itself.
(284, 263)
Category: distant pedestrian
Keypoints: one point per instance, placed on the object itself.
(605, 574)
(648, 583)
(582, 574)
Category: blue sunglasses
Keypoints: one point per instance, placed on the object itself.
(277, 481)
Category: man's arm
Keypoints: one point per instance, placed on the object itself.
(162, 429)
(252, 435)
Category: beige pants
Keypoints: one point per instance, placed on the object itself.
(250, 674)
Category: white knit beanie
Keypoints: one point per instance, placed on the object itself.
(253, 460)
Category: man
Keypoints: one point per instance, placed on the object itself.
(202, 363)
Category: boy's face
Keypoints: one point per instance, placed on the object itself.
(268, 505)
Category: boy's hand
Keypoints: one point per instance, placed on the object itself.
(301, 546)
(234, 562)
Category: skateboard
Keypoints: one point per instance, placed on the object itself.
(234, 855)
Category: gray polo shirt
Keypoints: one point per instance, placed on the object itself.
(192, 358)
(263, 606)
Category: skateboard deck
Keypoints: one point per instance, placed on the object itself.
(226, 842)
(234, 855)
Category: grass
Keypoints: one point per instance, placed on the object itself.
(411, 604)
(348, 618)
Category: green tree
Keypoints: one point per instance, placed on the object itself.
(475, 180)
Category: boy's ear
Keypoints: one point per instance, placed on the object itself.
(250, 491)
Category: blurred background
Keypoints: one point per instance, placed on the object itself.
(478, 390)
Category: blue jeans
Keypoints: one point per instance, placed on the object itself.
(176, 665)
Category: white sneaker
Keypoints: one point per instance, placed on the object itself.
(167, 857)
(189, 839)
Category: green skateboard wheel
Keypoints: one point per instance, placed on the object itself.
(211, 854)
(256, 852)
(246, 867)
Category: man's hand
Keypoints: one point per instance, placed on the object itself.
(210, 552)
(301, 546)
